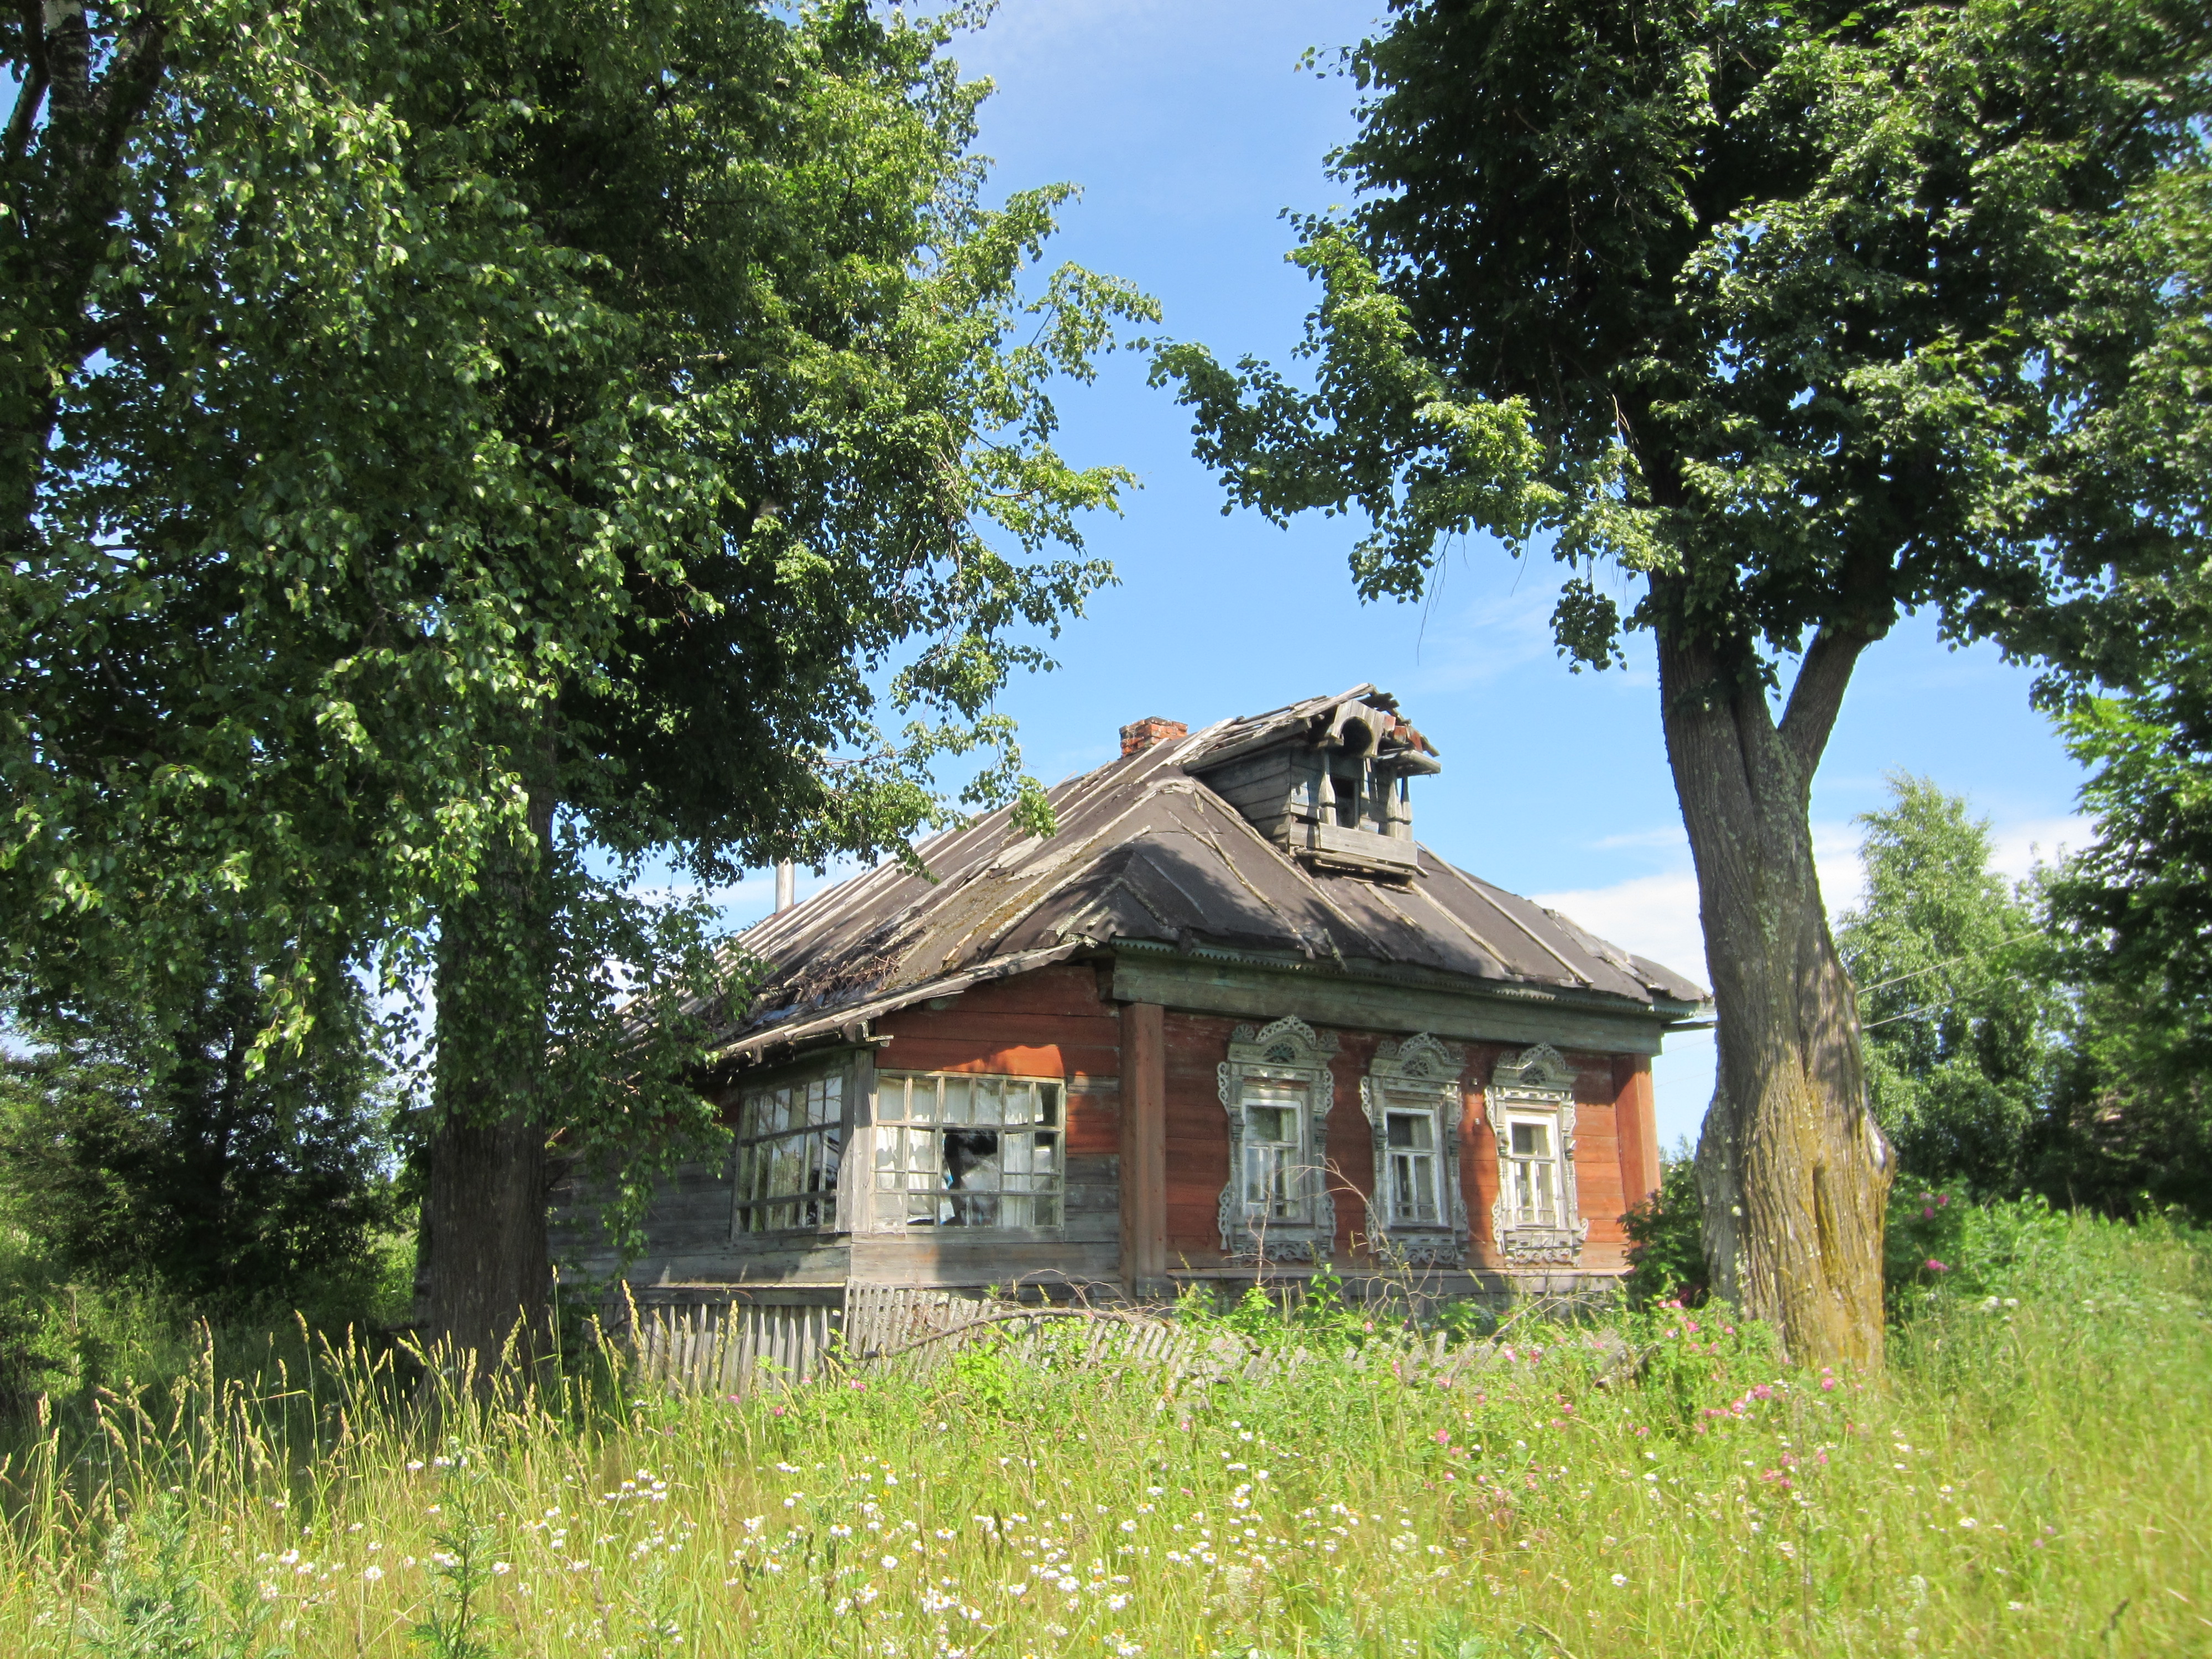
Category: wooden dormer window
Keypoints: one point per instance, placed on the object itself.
(1348, 780)
(1331, 788)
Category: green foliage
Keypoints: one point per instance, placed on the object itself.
(1658, 284)
(522, 442)
(1665, 1244)
(2134, 912)
(131, 1152)
(457, 1625)
(983, 1370)
(153, 1598)
(1957, 997)
(1311, 1313)
(1663, 1471)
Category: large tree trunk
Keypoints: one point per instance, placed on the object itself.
(1793, 1172)
(488, 1274)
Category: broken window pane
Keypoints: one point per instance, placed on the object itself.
(790, 1145)
(954, 1150)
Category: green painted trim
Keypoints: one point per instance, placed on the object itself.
(1209, 984)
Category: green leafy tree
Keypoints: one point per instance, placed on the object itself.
(2133, 913)
(531, 441)
(1798, 317)
(136, 1152)
(1956, 996)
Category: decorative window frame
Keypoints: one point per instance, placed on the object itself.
(1422, 1072)
(1286, 1054)
(1536, 1082)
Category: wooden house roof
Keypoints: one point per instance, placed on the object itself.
(1146, 854)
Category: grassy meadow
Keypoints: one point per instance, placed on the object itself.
(2031, 1477)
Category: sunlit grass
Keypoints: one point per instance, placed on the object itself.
(2033, 1479)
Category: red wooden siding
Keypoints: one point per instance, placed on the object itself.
(1197, 1137)
(1055, 1023)
(1636, 1114)
(1049, 1022)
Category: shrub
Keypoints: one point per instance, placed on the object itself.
(1666, 1249)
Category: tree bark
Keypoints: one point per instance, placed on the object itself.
(489, 1270)
(1793, 1172)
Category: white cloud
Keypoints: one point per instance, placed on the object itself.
(2017, 849)
(1656, 916)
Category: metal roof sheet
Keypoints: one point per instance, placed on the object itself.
(1144, 851)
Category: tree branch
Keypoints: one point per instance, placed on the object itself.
(32, 92)
(1818, 696)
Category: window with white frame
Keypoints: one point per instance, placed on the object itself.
(1409, 1177)
(1537, 1220)
(791, 1147)
(1275, 1187)
(954, 1150)
(1532, 1166)
(1276, 1089)
(1411, 1096)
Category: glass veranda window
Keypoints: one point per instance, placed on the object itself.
(791, 1140)
(1532, 1166)
(1410, 1179)
(958, 1150)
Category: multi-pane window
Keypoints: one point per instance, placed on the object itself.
(1276, 1178)
(1409, 1172)
(958, 1150)
(1276, 1090)
(1532, 1173)
(790, 1140)
(1537, 1220)
(1413, 1098)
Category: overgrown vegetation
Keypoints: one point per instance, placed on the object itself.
(1644, 1483)
(2045, 1035)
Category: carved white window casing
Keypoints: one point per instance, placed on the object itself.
(1276, 1089)
(1537, 1220)
(1411, 1095)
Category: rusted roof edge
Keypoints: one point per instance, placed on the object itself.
(905, 997)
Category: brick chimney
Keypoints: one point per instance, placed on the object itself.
(1135, 739)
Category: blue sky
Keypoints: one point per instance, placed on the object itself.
(1189, 132)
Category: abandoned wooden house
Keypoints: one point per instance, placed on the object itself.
(1231, 1020)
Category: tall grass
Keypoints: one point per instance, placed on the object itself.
(2030, 1478)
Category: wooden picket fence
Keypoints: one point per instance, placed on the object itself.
(732, 1348)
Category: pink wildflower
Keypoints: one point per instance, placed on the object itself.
(1935, 1267)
